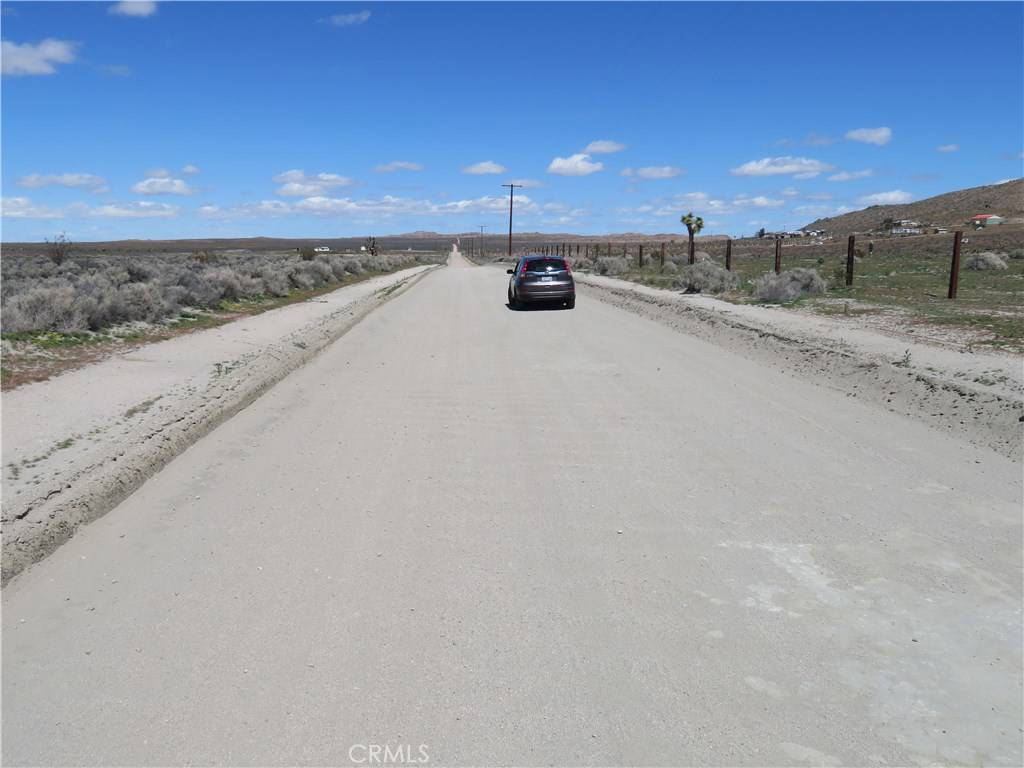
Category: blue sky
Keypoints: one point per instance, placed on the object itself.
(182, 119)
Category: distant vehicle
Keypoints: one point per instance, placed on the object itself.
(538, 278)
(321, 249)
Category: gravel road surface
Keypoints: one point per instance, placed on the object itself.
(541, 537)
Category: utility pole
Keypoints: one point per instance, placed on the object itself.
(511, 195)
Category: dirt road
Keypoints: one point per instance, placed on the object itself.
(569, 537)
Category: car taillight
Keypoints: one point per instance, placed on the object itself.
(568, 269)
(522, 272)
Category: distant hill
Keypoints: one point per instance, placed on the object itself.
(952, 209)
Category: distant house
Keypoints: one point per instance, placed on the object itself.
(321, 249)
(986, 220)
(902, 229)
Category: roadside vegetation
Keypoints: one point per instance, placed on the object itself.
(61, 309)
(900, 283)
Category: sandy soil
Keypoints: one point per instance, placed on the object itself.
(976, 396)
(535, 538)
(75, 444)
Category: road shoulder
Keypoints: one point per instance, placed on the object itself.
(978, 397)
(75, 446)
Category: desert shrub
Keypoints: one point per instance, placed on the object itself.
(275, 282)
(611, 265)
(134, 301)
(101, 289)
(789, 285)
(1016, 253)
(58, 249)
(198, 290)
(699, 256)
(337, 266)
(307, 254)
(986, 260)
(670, 268)
(45, 309)
(706, 277)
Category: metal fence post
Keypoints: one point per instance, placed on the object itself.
(778, 255)
(954, 268)
(850, 245)
(663, 254)
(640, 257)
(728, 255)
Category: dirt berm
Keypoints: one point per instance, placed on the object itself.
(111, 457)
(978, 397)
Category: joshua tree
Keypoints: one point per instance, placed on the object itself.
(694, 224)
(58, 249)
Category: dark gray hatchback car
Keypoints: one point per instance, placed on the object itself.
(538, 278)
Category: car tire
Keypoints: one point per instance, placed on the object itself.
(570, 303)
(513, 302)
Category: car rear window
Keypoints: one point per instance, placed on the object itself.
(544, 265)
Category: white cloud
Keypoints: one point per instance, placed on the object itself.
(757, 202)
(398, 165)
(23, 208)
(485, 167)
(349, 19)
(1002, 181)
(134, 210)
(29, 59)
(575, 165)
(528, 183)
(948, 148)
(851, 175)
(704, 204)
(86, 180)
(296, 183)
(819, 196)
(190, 169)
(790, 192)
(603, 147)
(161, 185)
(893, 197)
(260, 209)
(158, 173)
(322, 205)
(798, 167)
(655, 172)
(879, 136)
(816, 140)
(137, 8)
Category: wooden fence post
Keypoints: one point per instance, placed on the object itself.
(728, 255)
(954, 268)
(663, 254)
(850, 245)
(640, 257)
(778, 255)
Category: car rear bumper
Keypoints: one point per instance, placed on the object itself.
(543, 292)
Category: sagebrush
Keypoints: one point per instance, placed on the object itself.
(706, 277)
(92, 293)
(789, 285)
(986, 260)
